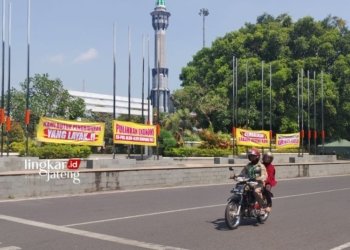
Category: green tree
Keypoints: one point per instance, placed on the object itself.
(107, 119)
(46, 98)
(289, 47)
(16, 133)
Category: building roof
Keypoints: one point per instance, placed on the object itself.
(160, 3)
(339, 143)
(104, 103)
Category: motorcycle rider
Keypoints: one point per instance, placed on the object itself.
(270, 181)
(257, 171)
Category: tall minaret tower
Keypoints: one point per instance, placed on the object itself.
(160, 91)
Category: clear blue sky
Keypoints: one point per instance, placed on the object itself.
(73, 39)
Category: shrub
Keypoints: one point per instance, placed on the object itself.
(287, 150)
(57, 151)
(215, 140)
(199, 152)
(20, 146)
(190, 136)
(166, 140)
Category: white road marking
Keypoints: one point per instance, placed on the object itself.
(143, 215)
(344, 246)
(312, 193)
(191, 208)
(9, 248)
(88, 234)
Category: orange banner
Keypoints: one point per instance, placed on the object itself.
(134, 133)
(8, 124)
(288, 140)
(27, 117)
(2, 115)
(70, 132)
(253, 138)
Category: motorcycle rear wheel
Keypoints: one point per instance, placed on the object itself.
(232, 219)
(263, 218)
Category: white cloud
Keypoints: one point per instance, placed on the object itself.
(57, 59)
(86, 56)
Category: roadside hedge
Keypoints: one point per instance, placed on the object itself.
(56, 151)
(199, 152)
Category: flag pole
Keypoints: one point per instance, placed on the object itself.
(322, 112)
(129, 76)
(270, 107)
(262, 95)
(298, 93)
(27, 114)
(143, 86)
(148, 84)
(8, 117)
(315, 129)
(3, 78)
(129, 85)
(302, 112)
(114, 80)
(233, 105)
(236, 93)
(308, 113)
(143, 78)
(158, 92)
(246, 94)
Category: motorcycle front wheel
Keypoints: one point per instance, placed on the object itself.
(232, 218)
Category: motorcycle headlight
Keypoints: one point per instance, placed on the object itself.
(238, 188)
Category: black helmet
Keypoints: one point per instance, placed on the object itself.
(267, 158)
(254, 155)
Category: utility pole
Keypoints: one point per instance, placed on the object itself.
(204, 12)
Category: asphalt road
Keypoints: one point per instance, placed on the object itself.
(308, 213)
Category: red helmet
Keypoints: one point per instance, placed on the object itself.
(254, 155)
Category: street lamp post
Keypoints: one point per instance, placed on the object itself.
(204, 12)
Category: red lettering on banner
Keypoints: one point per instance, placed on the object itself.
(288, 141)
(65, 126)
(125, 130)
(146, 131)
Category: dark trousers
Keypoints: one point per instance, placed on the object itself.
(268, 195)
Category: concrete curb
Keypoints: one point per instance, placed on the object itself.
(25, 184)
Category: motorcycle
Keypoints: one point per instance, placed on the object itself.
(242, 204)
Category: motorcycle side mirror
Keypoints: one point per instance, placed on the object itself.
(230, 168)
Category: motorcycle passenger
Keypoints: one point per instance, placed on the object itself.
(270, 181)
(257, 171)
